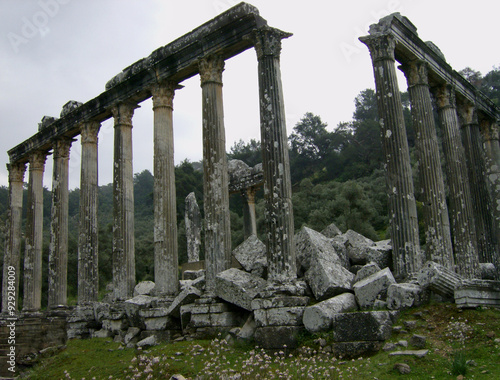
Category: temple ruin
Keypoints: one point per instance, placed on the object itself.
(272, 290)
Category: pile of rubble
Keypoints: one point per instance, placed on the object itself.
(345, 287)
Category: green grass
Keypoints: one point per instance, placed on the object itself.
(457, 341)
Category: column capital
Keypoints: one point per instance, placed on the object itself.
(381, 46)
(163, 93)
(123, 112)
(416, 72)
(489, 130)
(467, 114)
(211, 69)
(16, 171)
(89, 132)
(267, 41)
(445, 96)
(62, 147)
(37, 160)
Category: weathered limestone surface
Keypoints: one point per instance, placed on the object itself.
(319, 317)
(407, 257)
(437, 224)
(474, 293)
(361, 326)
(88, 277)
(69, 107)
(58, 249)
(366, 271)
(373, 287)
(461, 213)
(12, 256)
(192, 220)
(238, 287)
(331, 231)
(404, 296)
(34, 235)
(488, 271)
(165, 205)
(279, 316)
(438, 279)
(186, 296)
(144, 288)
(251, 254)
(123, 204)
(328, 279)
(215, 174)
(276, 165)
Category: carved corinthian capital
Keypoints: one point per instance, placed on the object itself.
(267, 42)
(489, 130)
(16, 171)
(62, 147)
(445, 96)
(416, 73)
(211, 69)
(37, 160)
(381, 46)
(123, 112)
(89, 132)
(163, 94)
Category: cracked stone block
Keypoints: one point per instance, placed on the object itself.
(160, 323)
(251, 254)
(365, 271)
(148, 342)
(114, 325)
(327, 279)
(361, 326)
(357, 246)
(277, 337)
(193, 274)
(474, 293)
(132, 332)
(144, 288)
(282, 316)
(404, 296)
(238, 287)
(331, 231)
(438, 279)
(349, 350)
(373, 287)
(142, 300)
(187, 296)
(319, 317)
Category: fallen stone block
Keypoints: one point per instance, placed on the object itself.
(248, 329)
(365, 271)
(361, 326)
(251, 254)
(488, 271)
(193, 274)
(328, 279)
(348, 350)
(474, 293)
(380, 254)
(132, 333)
(357, 245)
(238, 287)
(148, 342)
(416, 353)
(187, 296)
(331, 231)
(142, 300)
(439, 279)
(319, 317)
(402, 368)
(418, 341)
(279, 301)
(277, 337)
(282, 316)
(373, 287)
(404, 296)
(144, 288)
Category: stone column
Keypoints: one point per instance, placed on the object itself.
(439, 247)
(12, 256)
(192, 220)
(123, 204)
(407, 257)
(216, 178)
(482, 206)
(461, 214)
(276, 164)
(165, 206)
(88, 259)
(34, 234)
(249, 217)
(58, 250)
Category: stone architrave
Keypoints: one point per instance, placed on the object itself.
(192, 220)
(165, 207)
(12, 256)
(123, 204)
(34, 234)
(276, 164)
(439, 247)
(88, 260)
(407, 257)
(215, 171)
(58, 250)
(461, 214)
(487, 244)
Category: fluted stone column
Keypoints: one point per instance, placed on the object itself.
(461, 213)
(165, 207)
(276, 164)
(88, 248)
(192, 220)
(249, 217)
(407, 257)
(215, 174)
(482, 206)
(123, 204)
(58, 250)
(34, 234)
(439, 247)
(12, 256)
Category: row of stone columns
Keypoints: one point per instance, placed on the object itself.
(276, 168)
(473, 233)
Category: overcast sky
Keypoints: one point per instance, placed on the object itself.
(53, 51)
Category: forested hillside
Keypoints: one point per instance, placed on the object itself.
(337, 176)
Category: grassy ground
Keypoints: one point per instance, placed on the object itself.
(459, 342)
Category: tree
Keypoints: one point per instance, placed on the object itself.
(250, 153)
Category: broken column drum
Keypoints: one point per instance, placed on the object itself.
(58, 250)
(402, 206)
(439, 247)
(88, 260)
(215, 174)
(276, 164)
